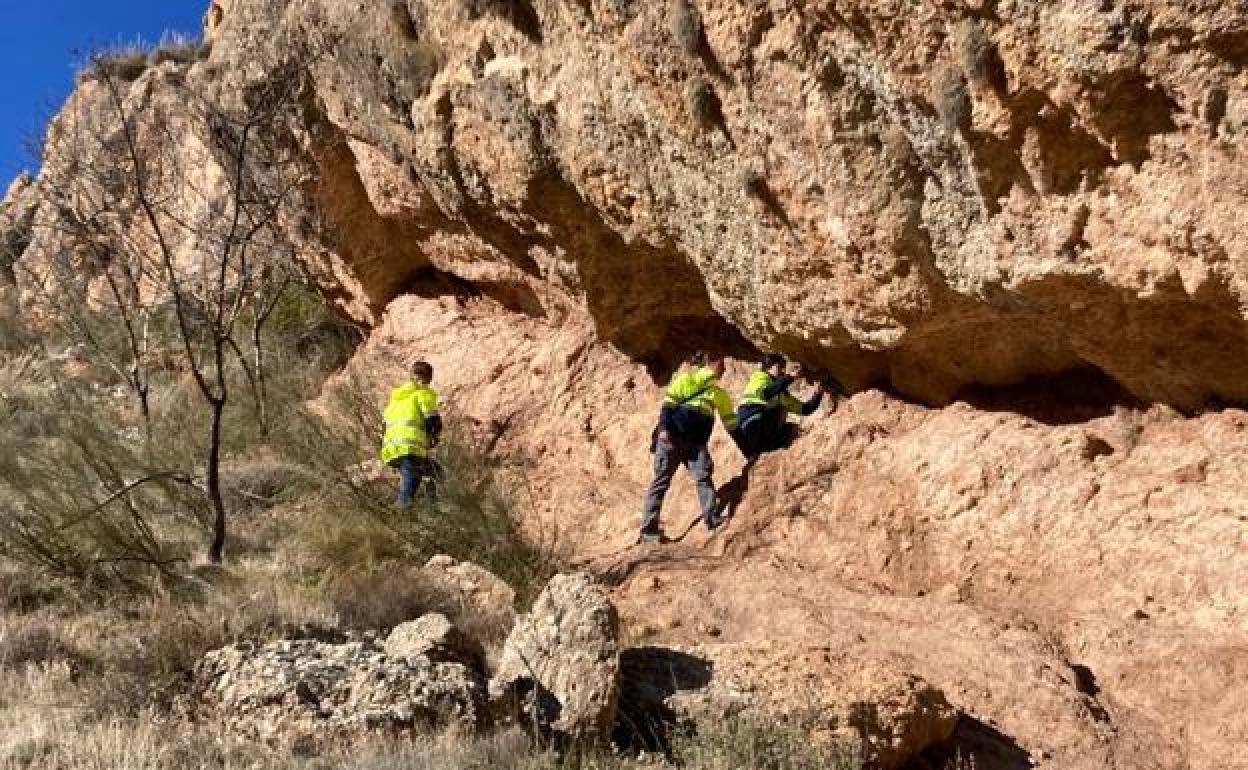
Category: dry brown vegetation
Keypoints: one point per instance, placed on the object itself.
(103, 608)
(98, 636)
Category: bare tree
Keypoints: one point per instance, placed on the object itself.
(176, 193)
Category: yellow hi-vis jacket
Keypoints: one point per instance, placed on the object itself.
(409, 407)
(756, 394)
(698, 389)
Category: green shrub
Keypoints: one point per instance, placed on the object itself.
(84, 496)
(13, 244)
(473, 519)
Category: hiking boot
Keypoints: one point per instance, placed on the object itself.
(716, 521)
(651, 538)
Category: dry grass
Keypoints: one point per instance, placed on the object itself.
(384, 598)
(177, 48)
(34, 640)
(104, 613)
(124, 64)
(14, 338)
(39, 738)
(165, 635)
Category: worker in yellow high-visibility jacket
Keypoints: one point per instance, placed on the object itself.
(686, 420)
(762, 416)
(413, 427)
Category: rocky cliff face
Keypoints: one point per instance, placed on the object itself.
(1011, 227)
(927, 196)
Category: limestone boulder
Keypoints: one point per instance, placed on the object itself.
(434, 637)
(294, 690)
(560, 665)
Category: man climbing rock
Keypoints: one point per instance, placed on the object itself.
(686, 420)
(413, 427)
(762, 417)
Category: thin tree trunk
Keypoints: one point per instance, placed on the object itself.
(145, 410)
(212, 484)
(256, 328)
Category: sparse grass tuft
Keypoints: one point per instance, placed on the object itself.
(176, 48)
(124, 64)
(977, 54)
(762, 746)
(952, 100)
(702, 103)
(685, 24)
(382, 599)
(829, 73)
(753, 183)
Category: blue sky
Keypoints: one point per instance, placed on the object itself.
(38, 41)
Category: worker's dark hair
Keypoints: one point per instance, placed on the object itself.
(423, 371)
(773, 359)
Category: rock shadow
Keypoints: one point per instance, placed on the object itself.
(771, 202)
(1086, 684)
(713, 65)
(666, 312)
(1070, 397)
(733, 492)
(538, 706)
(520, 13)
(1130, 110)
(515, 296)
(649, 676)
(974, 744)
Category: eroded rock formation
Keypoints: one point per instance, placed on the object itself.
(560, 666)
(928, 196)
